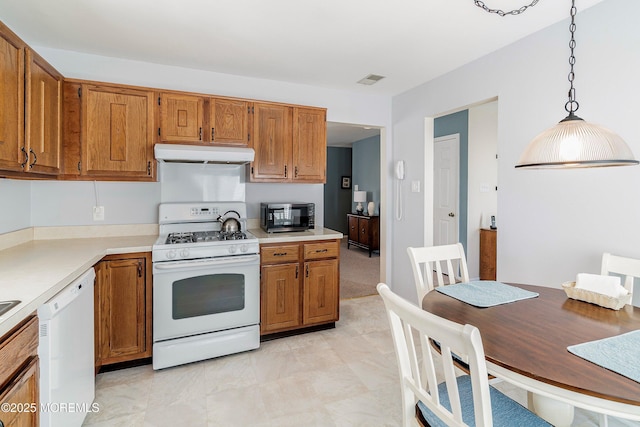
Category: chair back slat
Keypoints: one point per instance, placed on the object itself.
(408, 321)
(627, 268)
(448, 262)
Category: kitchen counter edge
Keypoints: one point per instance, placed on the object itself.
(299, 236)
(36, 270)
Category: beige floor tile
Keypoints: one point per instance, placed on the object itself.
(346, 376)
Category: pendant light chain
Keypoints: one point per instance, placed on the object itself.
(499, 12)
(572, 105)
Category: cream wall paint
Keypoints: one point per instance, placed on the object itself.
(553, 223)
(483, 172)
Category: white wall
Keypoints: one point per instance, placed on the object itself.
(15, 205)
(553, 223)
(482, 179)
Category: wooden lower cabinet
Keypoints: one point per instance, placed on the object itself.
(19, 374)
(364, 232)
(488, 246)
(123, 308)
(299, 285)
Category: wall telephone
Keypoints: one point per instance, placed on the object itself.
(399, 177)
(400, 169)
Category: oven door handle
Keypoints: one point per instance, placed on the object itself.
(175, 265)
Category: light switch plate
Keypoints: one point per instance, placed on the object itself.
(415, 186)
(98, 213)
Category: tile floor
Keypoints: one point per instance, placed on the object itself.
(345, 376)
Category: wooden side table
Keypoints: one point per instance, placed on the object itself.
(364, 232)
(488, 251)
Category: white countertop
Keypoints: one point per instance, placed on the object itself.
(36, 270)
(36, 264)
(298, 236)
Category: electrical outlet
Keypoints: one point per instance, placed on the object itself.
(98, 213)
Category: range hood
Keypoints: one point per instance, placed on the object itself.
(203, 154)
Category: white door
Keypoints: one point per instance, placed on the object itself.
(446, 166)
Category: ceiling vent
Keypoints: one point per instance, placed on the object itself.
(370, 79)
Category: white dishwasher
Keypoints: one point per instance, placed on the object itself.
(66, 351)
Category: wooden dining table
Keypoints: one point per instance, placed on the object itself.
(525, 343)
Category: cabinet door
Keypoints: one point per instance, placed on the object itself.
(354, 231)
(309, 145)
(229, 121)
(117, 132)
(320, 293)
(488, 254)
(272, 143)
(364, 232)
(11, 100)
(279, 297)
(43, 115)
(181, 117)
(122, 328)
(22, 391)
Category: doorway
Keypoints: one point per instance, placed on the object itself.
(478, 174)
(360, 147)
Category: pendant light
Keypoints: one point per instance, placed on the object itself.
(574, 143)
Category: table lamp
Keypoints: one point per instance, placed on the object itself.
(359, 196)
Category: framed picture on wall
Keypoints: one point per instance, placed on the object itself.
(346, 182)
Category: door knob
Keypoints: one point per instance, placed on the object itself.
(451, 214)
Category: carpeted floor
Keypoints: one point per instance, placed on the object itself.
(359, 274)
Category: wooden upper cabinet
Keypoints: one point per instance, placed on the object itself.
(43, 136)
(229, 120)
(309, 145)
(11, 100)
(117, 132)
(290, 144)
(181, 117)
(272, 143)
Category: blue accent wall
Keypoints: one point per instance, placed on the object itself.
(448, 125)
(337, 201)
(366, 170)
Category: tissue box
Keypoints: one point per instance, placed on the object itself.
(594, 297)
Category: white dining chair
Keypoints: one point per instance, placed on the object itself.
(627, 268)
(458, 401)
(446, 261)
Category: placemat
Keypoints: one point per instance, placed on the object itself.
(485, 293)
(620, 353)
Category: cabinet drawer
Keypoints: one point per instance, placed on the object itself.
(277, 254)
(321, 250)
(16, 348)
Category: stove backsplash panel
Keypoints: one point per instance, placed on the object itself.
(196, 182)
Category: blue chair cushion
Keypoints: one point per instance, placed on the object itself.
(506, 411)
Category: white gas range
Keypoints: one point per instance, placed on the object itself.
(206, 284)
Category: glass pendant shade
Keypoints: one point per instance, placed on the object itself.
(574, 143)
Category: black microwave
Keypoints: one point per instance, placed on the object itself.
(281, 217)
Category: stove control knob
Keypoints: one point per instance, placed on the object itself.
(171, 254)
(233, 249)
(244, 248)
(184, 253)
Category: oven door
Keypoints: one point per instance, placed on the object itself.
(199, 296)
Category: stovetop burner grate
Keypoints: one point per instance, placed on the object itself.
(203, 236)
